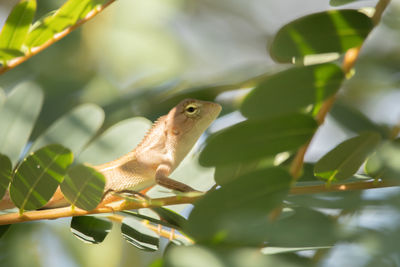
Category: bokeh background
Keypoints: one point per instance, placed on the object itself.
(136, 53)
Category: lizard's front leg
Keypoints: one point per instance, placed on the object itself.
(162, 179)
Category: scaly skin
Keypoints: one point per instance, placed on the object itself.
(163, 148)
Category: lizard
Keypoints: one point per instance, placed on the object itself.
(159, 153)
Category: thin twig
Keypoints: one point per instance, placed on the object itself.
(16, 61)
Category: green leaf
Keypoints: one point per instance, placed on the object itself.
(170, 216)
(4, 229)
(37, 178)
(345, 159)
(17, 118)
(303, 228)
(333, 31)
(66, 16)
(139, 235)
(83, 187)
(238, 212)
(5, 174)
(148, 218)
(73, 130)
(341, 2)
(16, 27)
(255, 139)
(227, 173)
(7, 54)
(292, 90)
(385, 163)
(116, 141)
(355, 121)
(90, 229)
(197, 255)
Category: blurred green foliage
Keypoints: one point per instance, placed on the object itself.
(139, 58)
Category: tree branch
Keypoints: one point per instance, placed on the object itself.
(35, 50)
(51, 214)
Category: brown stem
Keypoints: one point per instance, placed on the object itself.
(68, 212)
(16, 61)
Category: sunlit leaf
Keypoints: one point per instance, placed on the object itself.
(325, 32)
(5, 174)
(37, 178)
(16, 27)
(90, 229)
(385, 163)
(83, 187)
(238, 212)
(74, 129)
(116, 141)
(254, 139)
(157, 263)
(7, 54)
(345, 159)
(17, 118)
(292, 90)
(67, 15)
(138, 235)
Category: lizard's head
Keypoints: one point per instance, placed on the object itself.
(189, 119)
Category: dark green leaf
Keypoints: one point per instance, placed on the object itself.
(83, 187)
(333, 31)
(303, 228)
(139, 235)
(17, 118)
(345, 159)
(195, 256)
(116, 141)
(4, 229)
(227, 173)
(148, 218)
(238, 212)
(255, 139)
(170, 216)
(385, 163)
(90, 229)
(292, 90)
(67, 15)
(37, 178)
(73, 130)
(16, 27)
(5, 174)
(353, 120)
(348, 201)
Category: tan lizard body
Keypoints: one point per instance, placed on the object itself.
(156, 157)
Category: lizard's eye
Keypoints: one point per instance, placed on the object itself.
(191, 110)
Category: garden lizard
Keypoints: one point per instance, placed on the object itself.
(162, 149)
